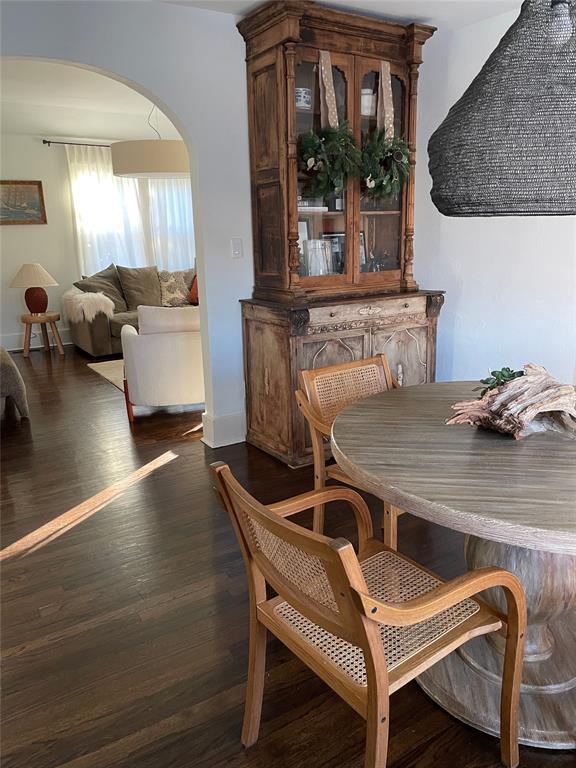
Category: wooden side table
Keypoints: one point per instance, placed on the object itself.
(45, 319)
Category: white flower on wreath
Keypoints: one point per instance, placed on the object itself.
(370, 182)
(310, 163)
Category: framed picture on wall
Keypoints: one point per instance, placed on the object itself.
(22, 202)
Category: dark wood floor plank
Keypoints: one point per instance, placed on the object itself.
(125, 638)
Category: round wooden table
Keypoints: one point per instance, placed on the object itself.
(516, 501)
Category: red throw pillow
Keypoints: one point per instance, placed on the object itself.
(193, 298)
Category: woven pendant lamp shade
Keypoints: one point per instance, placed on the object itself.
(508, 146)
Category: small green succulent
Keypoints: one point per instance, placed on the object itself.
(497, 379)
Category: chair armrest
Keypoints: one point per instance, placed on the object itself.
(324, 496)
(445, 596)
(130, 340)
(310, 414)
(128, 330)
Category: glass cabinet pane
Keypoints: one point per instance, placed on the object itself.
(380, 220)
(321, 220)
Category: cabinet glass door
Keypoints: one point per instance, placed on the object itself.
(323, 222)
(380, 221)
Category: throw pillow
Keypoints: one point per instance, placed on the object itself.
(175, 287)
(140, 286)
(108, 283)
(193, 298)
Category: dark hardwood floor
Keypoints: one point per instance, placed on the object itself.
(125, 635)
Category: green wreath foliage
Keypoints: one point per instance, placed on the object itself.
(385, 165)
(327, 159)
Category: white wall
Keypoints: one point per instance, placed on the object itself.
(52, 244)
(191, 63)
(510, 282)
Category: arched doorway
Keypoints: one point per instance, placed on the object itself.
(56, 88)
(191, 64)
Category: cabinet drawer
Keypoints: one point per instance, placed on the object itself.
(369, 310)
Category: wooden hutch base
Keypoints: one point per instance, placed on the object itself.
(281, 339)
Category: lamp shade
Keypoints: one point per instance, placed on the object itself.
(508, 146)
(150, 159)
(32, 275)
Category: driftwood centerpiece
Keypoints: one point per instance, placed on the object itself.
(534, 402)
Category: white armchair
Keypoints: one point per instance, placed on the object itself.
(163, 358)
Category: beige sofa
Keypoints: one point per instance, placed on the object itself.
(112, 298)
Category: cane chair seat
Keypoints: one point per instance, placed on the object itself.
(394, 579)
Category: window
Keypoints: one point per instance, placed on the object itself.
(133, 222)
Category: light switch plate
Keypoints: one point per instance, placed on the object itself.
(236, 247)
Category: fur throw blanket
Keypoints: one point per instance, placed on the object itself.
(80, 306)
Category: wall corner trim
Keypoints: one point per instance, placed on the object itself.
(224, 430)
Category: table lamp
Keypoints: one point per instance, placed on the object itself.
(31, 277)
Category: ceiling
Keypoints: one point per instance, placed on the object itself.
(449, 14)
(63, 101)
(60, 100)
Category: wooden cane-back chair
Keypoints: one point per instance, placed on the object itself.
(327, 391)
(365, 623)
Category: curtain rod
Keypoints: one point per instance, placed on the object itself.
(74, 143)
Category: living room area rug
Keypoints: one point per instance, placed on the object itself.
(111, 370)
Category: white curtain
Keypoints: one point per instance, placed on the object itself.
(170, 217)
(106, 211)
(132, 222)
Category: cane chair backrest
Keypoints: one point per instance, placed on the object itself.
(331, 389)
(314, 573)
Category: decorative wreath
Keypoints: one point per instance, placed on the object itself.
(326, 159)
(385, 165)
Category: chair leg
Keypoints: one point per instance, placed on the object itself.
(318, 518)
(319, 477)
(390, 525)
(27, 335)
(129, 409)
(57, 339)
(255, 684)
(511, 680)
(45, 336)
(377, 735)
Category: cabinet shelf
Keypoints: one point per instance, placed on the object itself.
(380, 213)
(328, 214)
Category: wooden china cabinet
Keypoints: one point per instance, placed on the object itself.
(334, 277)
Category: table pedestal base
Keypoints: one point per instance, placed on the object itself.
(467, 683)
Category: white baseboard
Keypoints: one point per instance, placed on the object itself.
(14, 342)
(224, 430)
